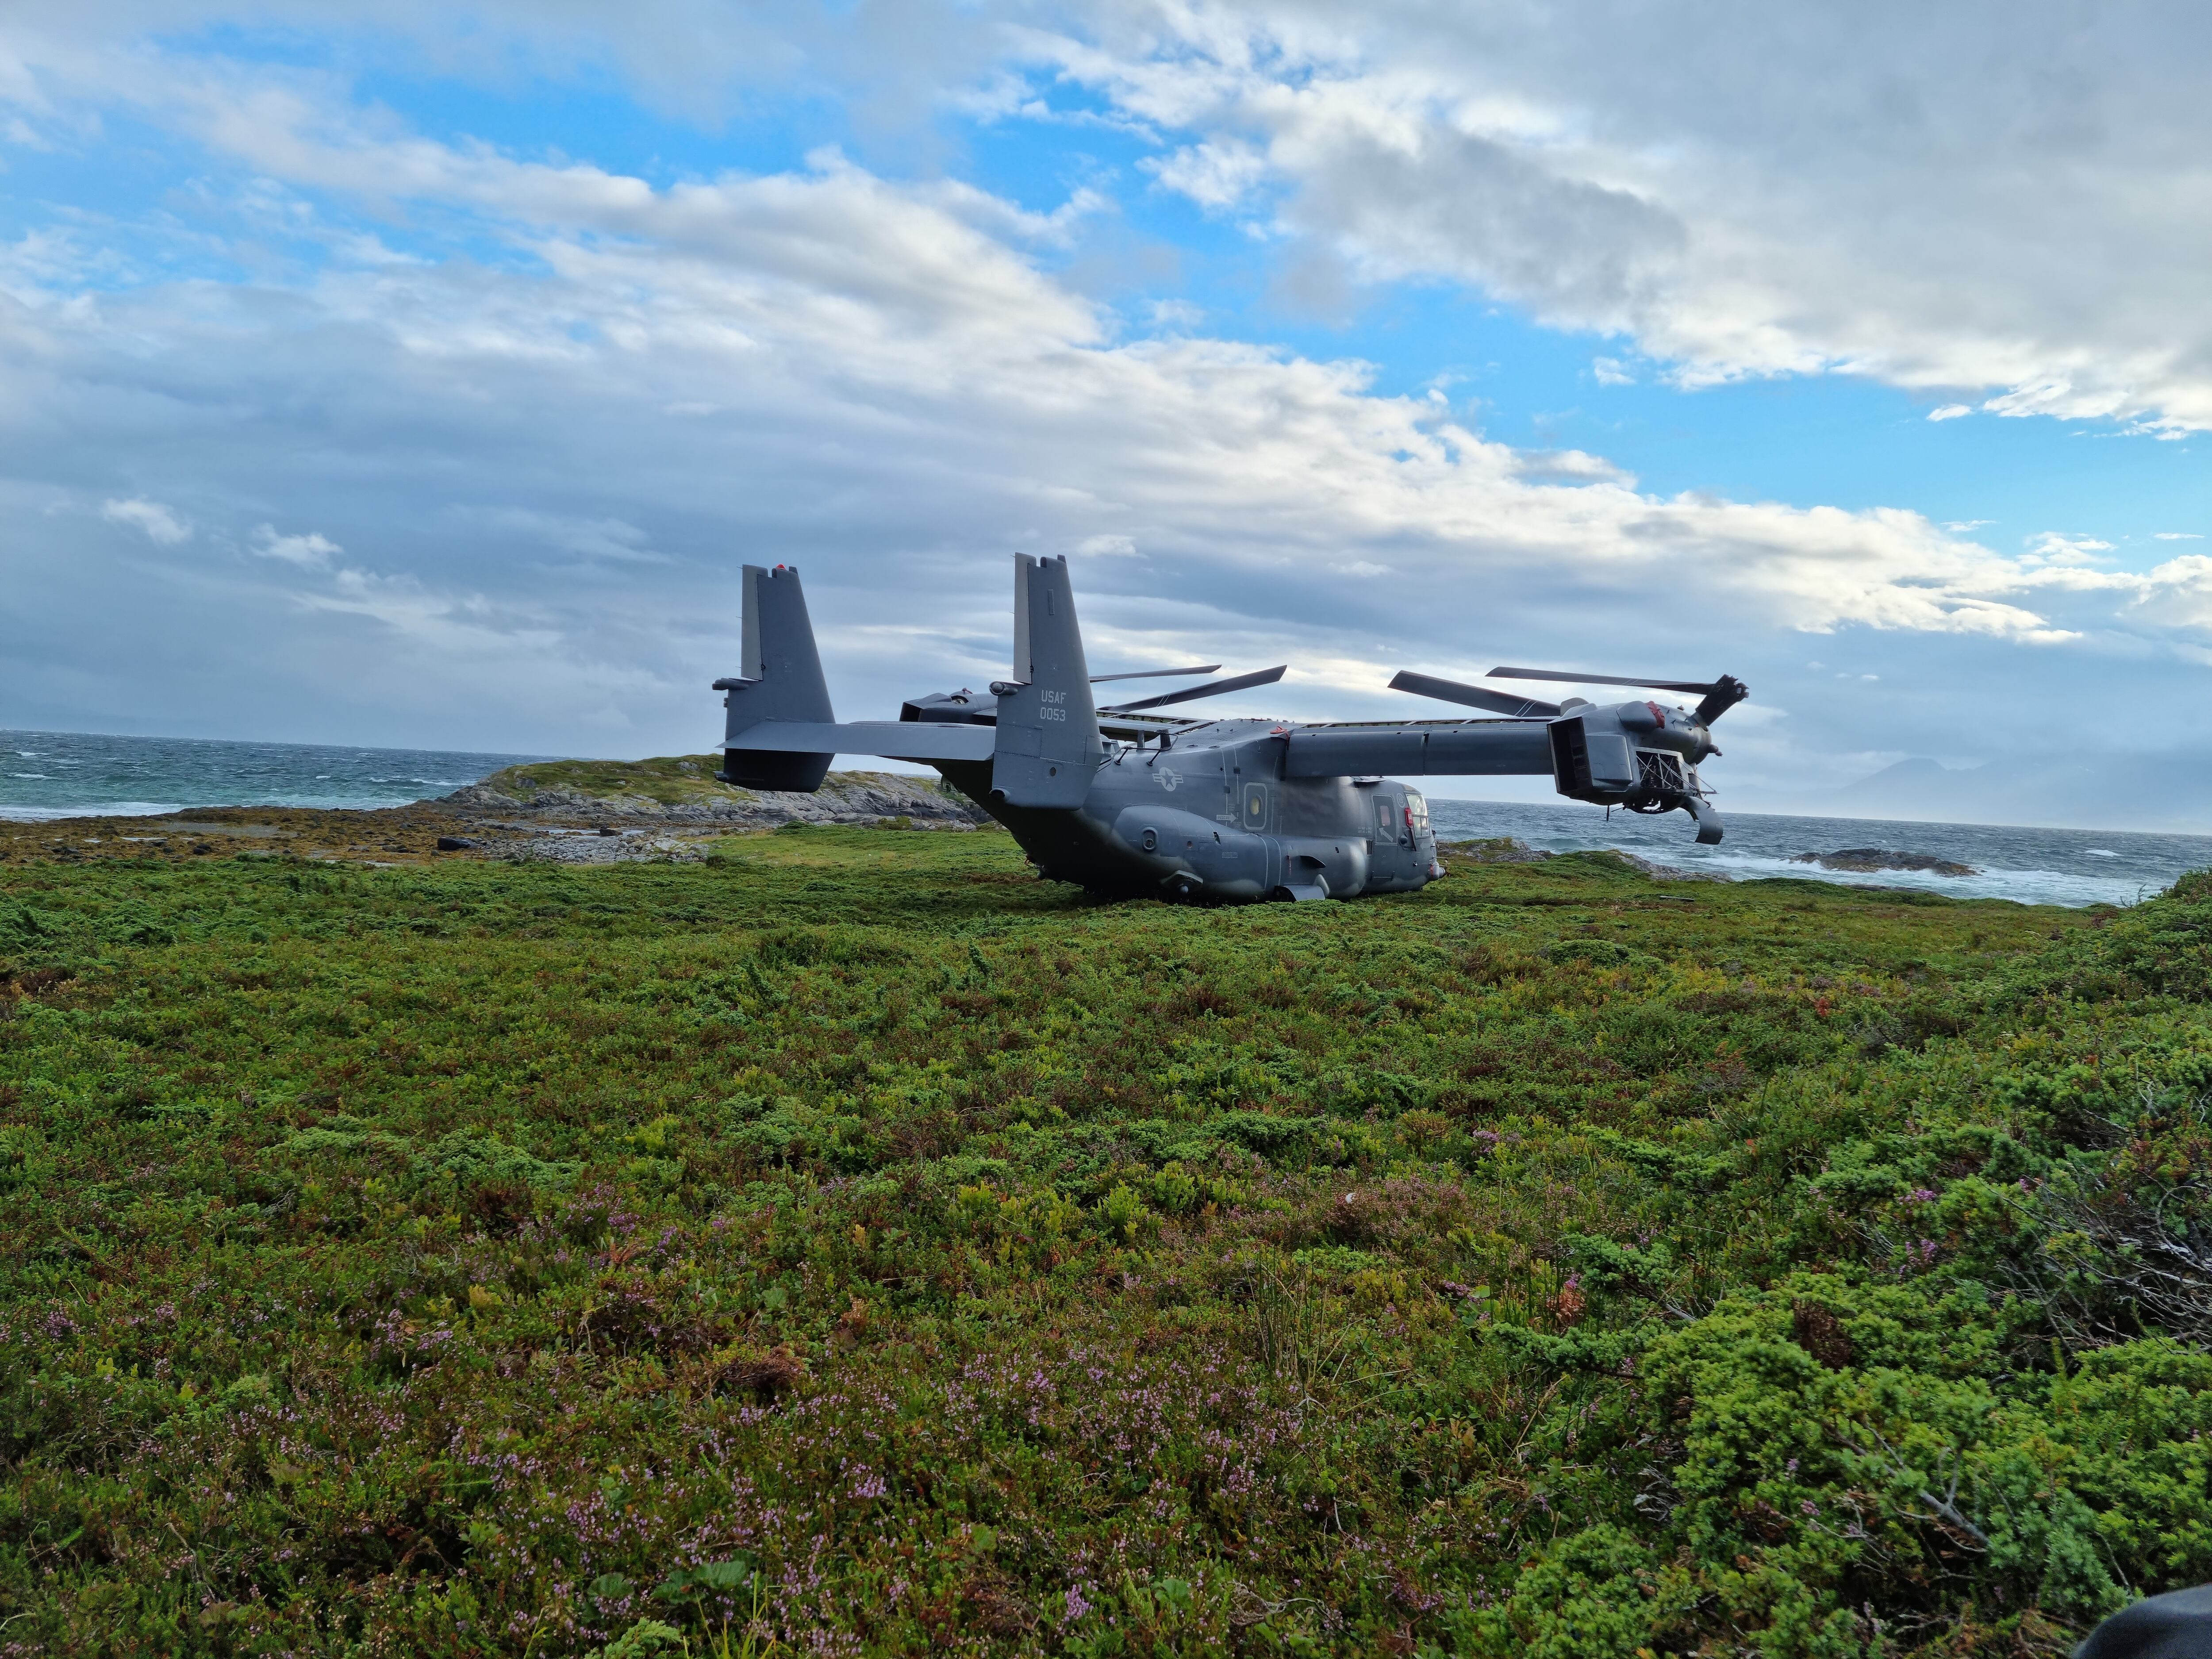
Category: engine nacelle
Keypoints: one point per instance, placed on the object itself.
(1622, 756)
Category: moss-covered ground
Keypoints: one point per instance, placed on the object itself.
(852, 1244)
(396, 834)
(670, 780)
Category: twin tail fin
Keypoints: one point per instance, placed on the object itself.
(1047, 746)
(782, 681)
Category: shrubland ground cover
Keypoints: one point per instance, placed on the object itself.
(854, 1244)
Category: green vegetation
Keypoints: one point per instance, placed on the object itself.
(852, 1244)
(670, 780)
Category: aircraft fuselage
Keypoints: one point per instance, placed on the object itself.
(1214, 818)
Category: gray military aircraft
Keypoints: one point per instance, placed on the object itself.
(1126, 802)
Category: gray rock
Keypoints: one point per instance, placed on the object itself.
(1866, 860)
(855, 797)
(1673, 871)
(636, 847)
(1510, 849)
(1494, 849)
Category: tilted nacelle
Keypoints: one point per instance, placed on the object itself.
(1635, 754)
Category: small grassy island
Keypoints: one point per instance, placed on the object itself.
(851, 1244)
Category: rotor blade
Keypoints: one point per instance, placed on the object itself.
(1474, 696)
(1235, 683)
(1701, 688)
(1726, 692)
(1155, 673)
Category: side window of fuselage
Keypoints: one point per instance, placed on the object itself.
(1386, 816)
(1416, 812)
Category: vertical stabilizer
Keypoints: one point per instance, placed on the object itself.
(782, 681)
(1048, 739)
(1023, 672)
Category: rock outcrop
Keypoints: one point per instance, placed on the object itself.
(1510, 849)
(1494, 849)
(1866, 860)
(681, 791)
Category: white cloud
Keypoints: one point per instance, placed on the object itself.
(2052, 548)
(1799, 190)
(1794, 190)
(1950, 411)
(1609, 371)
(161, 524)
(1214, 175)
(589, 537)
(1566, 466)
(2176, 536)
(313, 551)
(900, 393)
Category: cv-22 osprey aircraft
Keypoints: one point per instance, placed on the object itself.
(1129, 803)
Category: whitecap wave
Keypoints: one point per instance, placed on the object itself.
(2026, 865)
(2022, 886)
(106, 808)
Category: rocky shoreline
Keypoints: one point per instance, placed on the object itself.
(1510, 849)
(559, 811)
(874, 798)
(617, 812)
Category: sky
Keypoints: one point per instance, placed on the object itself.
(422, 374)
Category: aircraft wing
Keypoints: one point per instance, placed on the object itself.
(1424, 749)
(913, 740)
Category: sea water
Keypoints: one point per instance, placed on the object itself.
(53, 774)
(58, 774)
(2034, 866)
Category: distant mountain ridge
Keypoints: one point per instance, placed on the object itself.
(2169, 792)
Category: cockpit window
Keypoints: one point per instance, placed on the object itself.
(1416, 812)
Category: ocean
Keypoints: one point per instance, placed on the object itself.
(2033, 866)
(53, 774)
(59, 775)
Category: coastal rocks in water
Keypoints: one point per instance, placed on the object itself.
(680, 791)
(1865, 860)
(1510, 849)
